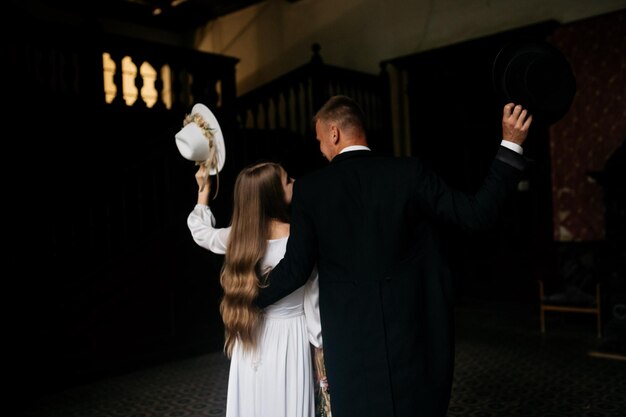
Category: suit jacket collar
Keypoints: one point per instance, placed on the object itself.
(351, 154)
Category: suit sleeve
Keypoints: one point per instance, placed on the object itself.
(296, 266)
(476, 211)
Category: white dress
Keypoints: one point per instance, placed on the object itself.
(277, 379)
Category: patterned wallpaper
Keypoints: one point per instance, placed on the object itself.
(594, 127)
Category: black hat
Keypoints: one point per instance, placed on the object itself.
(536, 75)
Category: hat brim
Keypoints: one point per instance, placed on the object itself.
(193, 145)
(536, 75)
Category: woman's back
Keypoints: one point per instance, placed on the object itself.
(276, 379)
(271, 369)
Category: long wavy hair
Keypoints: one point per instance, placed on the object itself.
(259, 197)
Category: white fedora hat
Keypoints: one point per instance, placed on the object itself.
(201, 139)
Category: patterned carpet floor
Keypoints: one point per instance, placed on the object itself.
(504, 368)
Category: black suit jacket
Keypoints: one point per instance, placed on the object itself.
(369, 223)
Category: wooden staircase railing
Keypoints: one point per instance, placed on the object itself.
(289, 102)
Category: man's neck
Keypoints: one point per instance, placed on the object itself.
(355, 148)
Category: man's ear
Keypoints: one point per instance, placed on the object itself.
(334, 134)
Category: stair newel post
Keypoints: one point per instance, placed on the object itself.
(319, 79)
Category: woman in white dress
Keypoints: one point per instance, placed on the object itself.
(271, 372)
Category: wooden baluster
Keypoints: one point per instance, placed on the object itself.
(118, 81)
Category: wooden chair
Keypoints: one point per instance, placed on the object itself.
(552, 304)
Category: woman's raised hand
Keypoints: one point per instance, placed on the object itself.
(201, 177)
(204, 185)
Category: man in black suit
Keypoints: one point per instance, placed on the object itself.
(370, 225)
